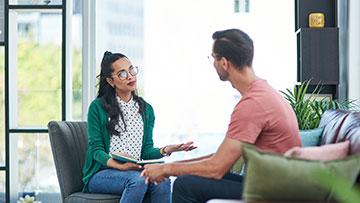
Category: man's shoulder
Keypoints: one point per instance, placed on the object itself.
(247, 103)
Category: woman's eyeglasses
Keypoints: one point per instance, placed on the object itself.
(123, 74)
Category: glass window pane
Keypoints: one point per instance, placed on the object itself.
(35, 77)
(2, 108)
(76, 44)
(2, 186)
(36, 167)
(2, 14)
(35, 2)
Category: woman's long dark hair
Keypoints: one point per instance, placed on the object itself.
(107, 93)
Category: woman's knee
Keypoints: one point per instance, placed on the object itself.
(137, 181)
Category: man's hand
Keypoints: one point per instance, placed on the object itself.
(154, 173)
(180, 147)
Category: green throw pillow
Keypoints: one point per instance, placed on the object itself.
(275, 177)
(310, 138)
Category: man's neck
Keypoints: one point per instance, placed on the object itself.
(241, 79)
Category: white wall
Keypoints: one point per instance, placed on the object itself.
(354, 50)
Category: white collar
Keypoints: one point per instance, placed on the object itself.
(124, 103)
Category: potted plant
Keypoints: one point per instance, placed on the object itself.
(308, 110)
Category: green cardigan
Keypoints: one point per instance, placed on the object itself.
(99, 139)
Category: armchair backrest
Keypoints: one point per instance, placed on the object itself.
(68, 144)
(339, 126)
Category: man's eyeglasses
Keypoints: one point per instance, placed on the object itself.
(123, 74)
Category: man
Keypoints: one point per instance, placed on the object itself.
(262, 118)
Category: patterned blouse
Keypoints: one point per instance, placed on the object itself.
(130, 139)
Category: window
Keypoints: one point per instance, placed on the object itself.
(242, 6)
(36, 166)
(43, 72)
(36, 68)
(35, 64)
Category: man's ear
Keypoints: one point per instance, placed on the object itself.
(224, 63)
(110, 81)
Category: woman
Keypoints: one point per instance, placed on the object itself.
(121, 121)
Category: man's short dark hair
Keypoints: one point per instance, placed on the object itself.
(235, 45)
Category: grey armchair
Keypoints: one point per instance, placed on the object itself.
(68, 143)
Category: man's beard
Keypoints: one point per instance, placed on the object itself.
(223, 76)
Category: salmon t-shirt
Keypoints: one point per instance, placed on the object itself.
(264, 118)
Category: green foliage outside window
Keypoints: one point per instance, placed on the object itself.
(40, 68)
(39, 100)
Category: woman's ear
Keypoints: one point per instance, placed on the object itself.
(110, 81)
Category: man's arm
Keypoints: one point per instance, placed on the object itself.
(194, 159)
(213, 167)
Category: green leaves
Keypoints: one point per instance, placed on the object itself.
(307, 106)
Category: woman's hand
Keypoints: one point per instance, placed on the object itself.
(179, 147)
(130, 166)
(111, 163)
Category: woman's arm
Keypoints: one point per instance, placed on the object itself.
(188, 146)
(148, 149)
(96, 142)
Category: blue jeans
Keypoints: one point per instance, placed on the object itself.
(129, 185)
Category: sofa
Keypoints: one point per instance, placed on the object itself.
(338, 126)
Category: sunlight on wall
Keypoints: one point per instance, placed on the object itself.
(171, 40)
(190, 101)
